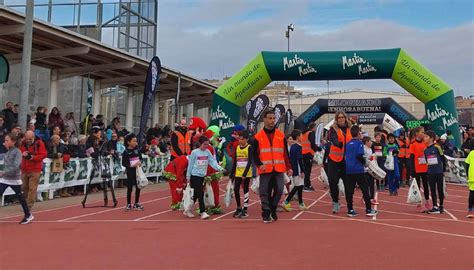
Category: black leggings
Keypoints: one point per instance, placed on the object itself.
(426, 187)
(371, 183)
(197, 184)
(292, 193)
(349, 186)
(19, 196)
(436, 185)
(471, 200)
(335, 171)
(131, 182)
(308, 166)
(237, 182)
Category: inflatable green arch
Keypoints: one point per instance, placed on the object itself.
(393, 64)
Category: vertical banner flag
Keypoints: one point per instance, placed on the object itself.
(257, 108)
(279, 113)
(89, 97)
(151, 83)
(319, 134)
(288, 120)
(248, 105)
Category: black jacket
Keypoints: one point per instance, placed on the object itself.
(53, 150)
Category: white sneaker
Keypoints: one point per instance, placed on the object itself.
(204, 215)
(188, 214)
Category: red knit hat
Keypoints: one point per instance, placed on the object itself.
(197, 122)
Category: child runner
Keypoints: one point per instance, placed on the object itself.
(368, 154)
(10, 176)
(241, 172)
(419, 166)
(355, 161)
(131, 160)
(470, 181)
(436, 164)
(393, 176)
(199, 159)
(296, 159)
(377, 149)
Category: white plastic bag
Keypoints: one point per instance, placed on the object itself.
(142, 181)
(414, 194)
(208, 196)
(229, 194)
(292, 184)
(318, 157)
(255, 185)
(286, 178)
(376, 171)
(187, 202)
(324, 178)
(389, 162)
(342, 191)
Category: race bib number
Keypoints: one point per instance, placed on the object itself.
(421, 160)
(378, 153)
(202, 161)
(432, 160)
(242, 162)
(134, 161)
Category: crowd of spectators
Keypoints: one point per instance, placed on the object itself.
(52, 135)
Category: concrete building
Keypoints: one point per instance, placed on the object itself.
(125, 31)
(465, 108)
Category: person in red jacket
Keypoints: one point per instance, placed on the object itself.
(175, 173)
(33, 151)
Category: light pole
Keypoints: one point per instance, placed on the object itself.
(290, 27)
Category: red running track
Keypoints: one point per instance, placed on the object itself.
(157, 238)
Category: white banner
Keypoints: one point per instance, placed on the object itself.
(456, 170)
(78, 170)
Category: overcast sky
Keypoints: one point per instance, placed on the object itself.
(215, 38)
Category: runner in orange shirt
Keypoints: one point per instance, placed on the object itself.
(419, 165)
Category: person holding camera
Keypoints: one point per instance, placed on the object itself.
(33, 152)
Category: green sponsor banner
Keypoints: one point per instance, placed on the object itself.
(4, 69)
(225, 115)
(417, 123)
(443, 115)
(245, 84)
(337, 65)
(417, 79)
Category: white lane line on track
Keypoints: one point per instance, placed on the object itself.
(451, 215)
(312, 204)
(109, 210)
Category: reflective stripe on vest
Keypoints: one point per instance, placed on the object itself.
(335, 153)
(403, 149)
(184, 143)
(306, 144)
(271, 155)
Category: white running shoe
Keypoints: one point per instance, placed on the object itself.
(204, 215)
(189, 214)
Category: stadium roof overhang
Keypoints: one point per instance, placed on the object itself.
(71, 54)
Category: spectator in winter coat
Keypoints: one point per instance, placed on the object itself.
(55, 119)
(9, 116)
(33, 151)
